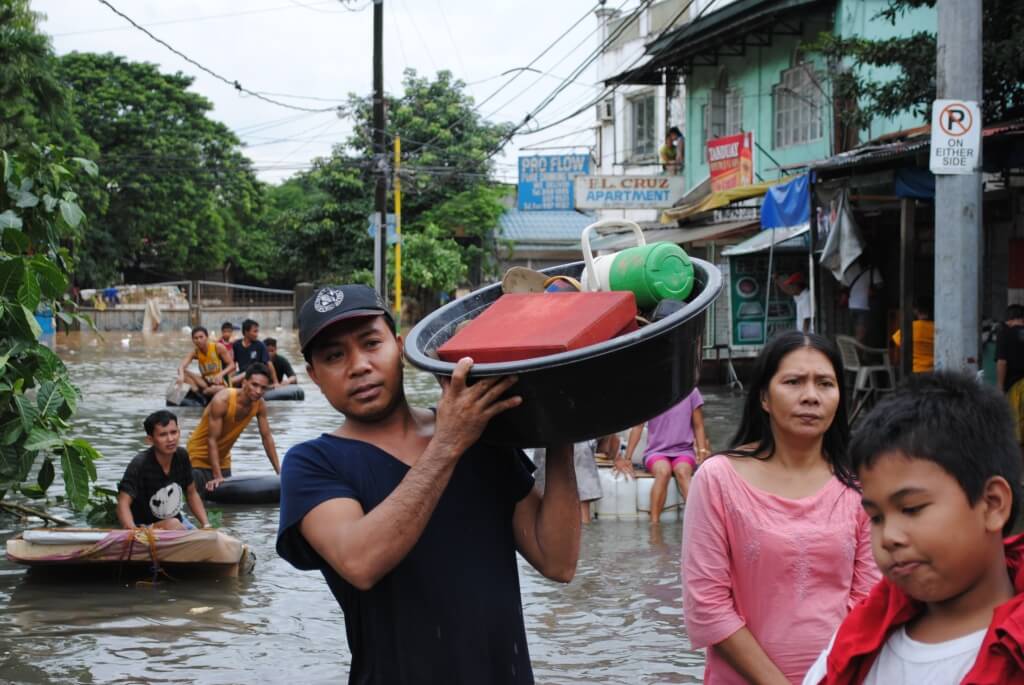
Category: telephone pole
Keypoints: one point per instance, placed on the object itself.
(380, 238)
(958, 198)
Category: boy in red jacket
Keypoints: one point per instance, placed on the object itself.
(941, 475)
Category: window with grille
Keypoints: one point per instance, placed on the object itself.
(643, 143)
(797, 101)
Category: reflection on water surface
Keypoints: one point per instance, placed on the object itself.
(619, 621)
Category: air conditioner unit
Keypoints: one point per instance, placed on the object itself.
(606, 110)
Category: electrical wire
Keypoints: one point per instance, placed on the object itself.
(233, 83)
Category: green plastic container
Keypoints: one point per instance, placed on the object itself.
(656, 272)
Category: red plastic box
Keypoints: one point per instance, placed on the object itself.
(526, 325)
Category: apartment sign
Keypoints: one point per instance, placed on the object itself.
(731, 160)
(628, 192)
(956, 137)
(546, 181)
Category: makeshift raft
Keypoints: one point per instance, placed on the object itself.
(172, 553)
(286, 393)
(588, 392)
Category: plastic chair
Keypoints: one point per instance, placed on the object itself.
(869, 379)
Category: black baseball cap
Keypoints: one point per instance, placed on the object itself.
(334, 303)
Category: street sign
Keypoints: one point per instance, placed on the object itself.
(628, 192)
(956, 137)
(546, 181)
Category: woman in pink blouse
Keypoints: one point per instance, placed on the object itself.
(776, 547)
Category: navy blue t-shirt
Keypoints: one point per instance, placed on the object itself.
(244, 356)
(451, 611)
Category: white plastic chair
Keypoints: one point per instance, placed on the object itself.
(870, 380)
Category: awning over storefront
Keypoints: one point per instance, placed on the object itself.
(621, 241)
(718, 200)
(794, 239)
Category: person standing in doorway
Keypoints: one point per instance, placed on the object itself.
(414, 520)
(1010, 365)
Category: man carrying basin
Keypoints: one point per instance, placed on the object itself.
(224, 419)
(412, 519)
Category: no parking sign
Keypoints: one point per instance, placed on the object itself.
(956, 137)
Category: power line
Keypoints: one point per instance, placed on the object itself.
(233, 83)
(186, 20)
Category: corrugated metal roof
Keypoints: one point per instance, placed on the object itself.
(548, 227)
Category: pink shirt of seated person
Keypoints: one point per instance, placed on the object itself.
(788, 570)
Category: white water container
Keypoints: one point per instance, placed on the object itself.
(672, 499)
(619, 499)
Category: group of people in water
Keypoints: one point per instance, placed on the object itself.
(810, 554)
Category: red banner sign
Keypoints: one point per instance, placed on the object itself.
(731, 159)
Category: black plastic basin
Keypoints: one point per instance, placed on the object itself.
(585, 393)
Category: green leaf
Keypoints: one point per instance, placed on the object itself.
(12, 273)
(71, 212)
(51, 279)
(87, 165)
(28, 412)
(8, 219)
(46, 474)
(49, 398)
(76, 477)
(40, 439)
(29, 292)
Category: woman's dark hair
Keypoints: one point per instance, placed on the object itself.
(755, 424)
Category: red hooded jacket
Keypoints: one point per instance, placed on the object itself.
(865, 630)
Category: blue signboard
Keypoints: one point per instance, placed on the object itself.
(546, 181)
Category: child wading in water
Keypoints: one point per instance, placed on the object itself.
(941, 474)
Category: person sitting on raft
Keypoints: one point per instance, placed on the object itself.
(158, 480)
(215, 364)
(249, 350)
(224, 419)
(282, 367)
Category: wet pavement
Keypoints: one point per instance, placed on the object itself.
(619, 621)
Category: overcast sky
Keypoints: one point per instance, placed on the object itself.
(320, 49)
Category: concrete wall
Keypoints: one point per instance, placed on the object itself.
(269, 318)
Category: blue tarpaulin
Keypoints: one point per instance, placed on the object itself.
(787, 205)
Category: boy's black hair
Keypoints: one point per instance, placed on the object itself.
(257, 368)
(161, 418)
(1014, 311)
(270, 342)
(247, 324)
(200, 329)
(952, 420)
(226, 325)
(313, 345)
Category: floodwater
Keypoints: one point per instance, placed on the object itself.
(619, 621)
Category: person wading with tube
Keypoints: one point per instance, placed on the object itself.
(209, 446)
(412, 519)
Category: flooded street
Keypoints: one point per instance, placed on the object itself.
(619, 621)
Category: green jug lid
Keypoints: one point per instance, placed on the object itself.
(669, 271)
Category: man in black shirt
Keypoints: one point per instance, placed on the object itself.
(158, 480)
(1010, 364)
(248, 350)
(282, 367)
(413, 520)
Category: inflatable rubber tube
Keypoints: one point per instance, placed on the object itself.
(247, 490)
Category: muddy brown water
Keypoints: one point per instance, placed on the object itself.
(619, 621)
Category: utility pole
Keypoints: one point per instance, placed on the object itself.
(958, 198)
(380, 238)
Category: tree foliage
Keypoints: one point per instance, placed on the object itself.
(914, 57)
(39, 213)
(181, 193)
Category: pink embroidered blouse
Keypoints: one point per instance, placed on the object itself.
(789, 570)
